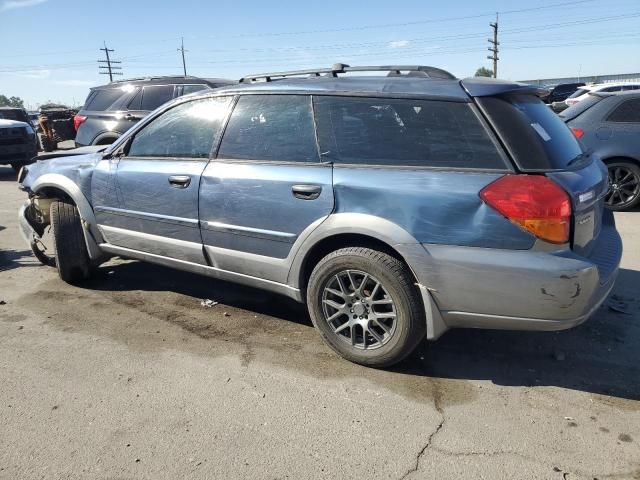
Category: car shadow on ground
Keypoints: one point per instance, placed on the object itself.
(7, 174)
(598, 357)
(11, 259)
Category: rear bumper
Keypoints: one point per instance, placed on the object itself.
(518, 289)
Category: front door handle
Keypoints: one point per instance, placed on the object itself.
(306, 192)
(179, 181)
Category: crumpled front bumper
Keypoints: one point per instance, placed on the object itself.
(26, 230)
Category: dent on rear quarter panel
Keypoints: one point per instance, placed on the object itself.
(438, 207)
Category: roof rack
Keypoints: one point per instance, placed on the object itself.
(339, 68)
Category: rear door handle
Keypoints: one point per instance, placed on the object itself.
(306, 192)
(179, 181)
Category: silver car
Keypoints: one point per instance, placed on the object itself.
(395, 206)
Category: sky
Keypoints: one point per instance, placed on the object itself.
(50, 48)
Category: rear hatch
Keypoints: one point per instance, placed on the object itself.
(540, 143)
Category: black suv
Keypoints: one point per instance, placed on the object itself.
(110, 110)
(561, 92)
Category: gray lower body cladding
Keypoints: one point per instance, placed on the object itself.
(516, 289)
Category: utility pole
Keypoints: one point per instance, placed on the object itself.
(494, 48)
(112, 67)
(181, 49)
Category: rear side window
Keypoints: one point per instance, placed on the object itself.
(627, 112)
(187, 130)
(537, 138)
(612, 89)
(413, 133)
(155, 95)
(103, 99)
(270, 127)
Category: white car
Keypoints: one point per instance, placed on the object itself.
(582, 92)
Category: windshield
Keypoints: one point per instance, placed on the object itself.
(579, 108)
(17, 115)
(578, 93)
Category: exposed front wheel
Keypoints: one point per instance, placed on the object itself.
(624, 185)
(71, 256)
(366, 306)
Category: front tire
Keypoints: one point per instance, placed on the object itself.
(366, 306)
(72, 257)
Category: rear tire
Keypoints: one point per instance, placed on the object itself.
(376, 295)
(624, 181)
(72, 258)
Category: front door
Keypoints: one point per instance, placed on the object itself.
(154, 208)
(266, 186)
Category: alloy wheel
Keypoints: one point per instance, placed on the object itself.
(359, 309)
(624, 186)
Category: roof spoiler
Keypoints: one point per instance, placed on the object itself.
(486, 87)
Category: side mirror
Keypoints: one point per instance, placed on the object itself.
(118, 149)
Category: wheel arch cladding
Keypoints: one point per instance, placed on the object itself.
(52, 184)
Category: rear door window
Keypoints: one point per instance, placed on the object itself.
(399, 132)
(627, 112)
(103, 99)
(155, 95)
(536, 137)
(270, 127)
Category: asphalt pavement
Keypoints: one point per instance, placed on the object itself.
(129, 376)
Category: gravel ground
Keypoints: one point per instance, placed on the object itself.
(129, 376)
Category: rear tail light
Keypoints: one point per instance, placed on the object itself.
(78, 120)
(533, 202)
(578, 132)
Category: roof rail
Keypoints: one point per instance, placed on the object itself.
(339, 68)
(152, 77)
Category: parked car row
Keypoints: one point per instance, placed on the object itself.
(396, 205)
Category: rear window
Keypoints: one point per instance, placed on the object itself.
(103, 99)
(413, 133)
(535, 136)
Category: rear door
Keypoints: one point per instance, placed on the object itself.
(266, 187)
(541, 143)
(153, 206)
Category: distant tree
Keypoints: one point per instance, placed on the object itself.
(484, 72)
(11, 102)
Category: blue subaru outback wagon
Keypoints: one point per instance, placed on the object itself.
(395, 206)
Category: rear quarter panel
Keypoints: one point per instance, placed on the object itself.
(433, 206)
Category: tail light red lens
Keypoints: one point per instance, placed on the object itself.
(534, 202)
(578, 132)
(78, 120)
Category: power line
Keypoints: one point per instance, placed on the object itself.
(111, 69)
